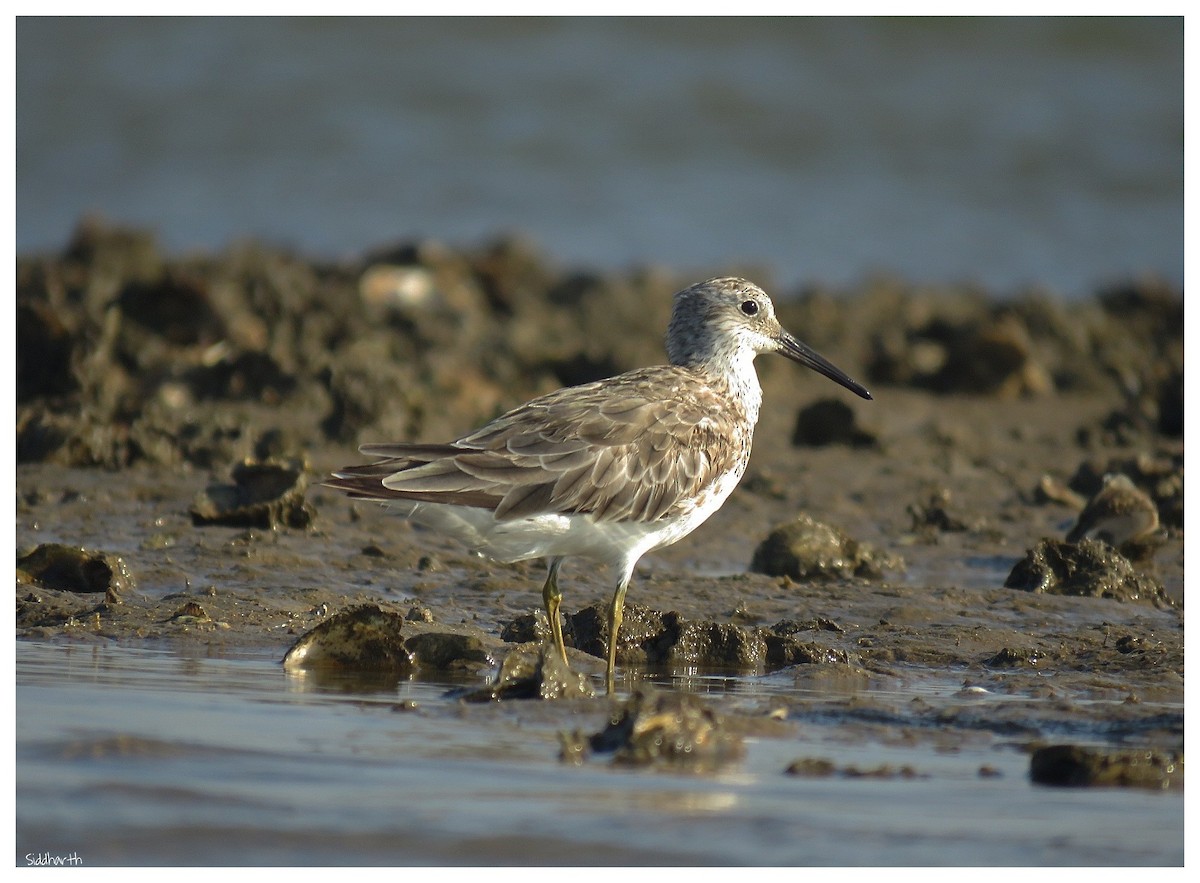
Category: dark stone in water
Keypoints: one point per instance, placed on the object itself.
(534, 670)
(720, 645)
(367, 638)
(444, 650)
(676, 731)
(361, 638)
(639, 638)
(1075, 765)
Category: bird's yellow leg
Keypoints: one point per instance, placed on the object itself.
(615, 615)
(552, 598)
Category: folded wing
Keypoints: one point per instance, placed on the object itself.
(625, 449)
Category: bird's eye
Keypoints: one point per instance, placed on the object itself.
(750, 307)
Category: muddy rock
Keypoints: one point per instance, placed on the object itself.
(806, 548)
(70, 569)
(783, 650)
(996, 358)
(367, 639)
(534, 670)
(446, 651)
(266, 495)
(934, 516)
(672, 731)
(989, 354)
(641, 639)
(830, 422)
(363, 638)
(657, 638)
(714, 644)
(44, 350)
(1080, 766)
(1090, 568)
(820, 768)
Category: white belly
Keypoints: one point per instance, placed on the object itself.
(619, 544)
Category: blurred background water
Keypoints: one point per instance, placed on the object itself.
(1006, 152)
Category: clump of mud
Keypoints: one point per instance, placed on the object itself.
(362, 638)
(673, 731)
(68, 569)
(1079, 766)
(534, 670)
(1091, 568)
(367, 638)
(666, 640)
(264, 494)
(805, 548)
(829, 422)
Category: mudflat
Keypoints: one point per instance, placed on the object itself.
(175, 415)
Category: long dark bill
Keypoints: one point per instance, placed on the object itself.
(810, 358)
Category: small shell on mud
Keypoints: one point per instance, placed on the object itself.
(191, 612)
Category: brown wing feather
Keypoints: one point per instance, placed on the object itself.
(637, 447)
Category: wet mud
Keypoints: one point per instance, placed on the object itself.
(175, 415)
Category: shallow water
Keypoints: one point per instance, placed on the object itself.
(1006, 151)
(136, 756)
